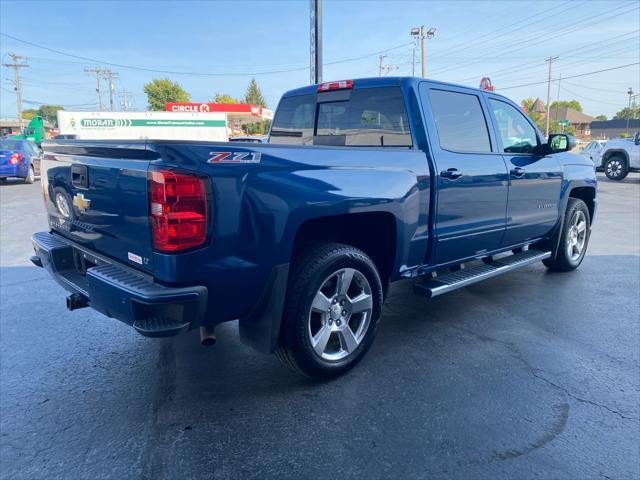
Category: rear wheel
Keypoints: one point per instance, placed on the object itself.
(616, 168)
(332, 311)
(574, 238)
(31, 175)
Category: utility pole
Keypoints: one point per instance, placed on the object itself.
(630, 93)
(16, 76)
(384, 69)
(420, 33)
(109, 75)
(413, 62)
(124, 100)
(558, 99)
(98, 72)
(316, 41)
(550, 60)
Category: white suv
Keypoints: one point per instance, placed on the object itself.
(618, 157)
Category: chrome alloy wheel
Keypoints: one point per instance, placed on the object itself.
(340, 314)
(614, 168)
(576, 236)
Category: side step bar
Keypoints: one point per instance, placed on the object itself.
(453, 280)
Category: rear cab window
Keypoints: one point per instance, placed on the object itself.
(366, 117)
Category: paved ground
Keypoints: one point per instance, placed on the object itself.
(530, 375)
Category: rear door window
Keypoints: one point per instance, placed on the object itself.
(460, 122)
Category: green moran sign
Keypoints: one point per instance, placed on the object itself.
(144, 122)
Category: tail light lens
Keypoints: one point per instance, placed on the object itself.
(15, 158)
(178, 210)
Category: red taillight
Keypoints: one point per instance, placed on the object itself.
(178, 210)
(15, 158)
(340, 85)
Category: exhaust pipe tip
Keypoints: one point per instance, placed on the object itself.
(207, 336)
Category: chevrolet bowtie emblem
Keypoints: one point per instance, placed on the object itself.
(81, 202)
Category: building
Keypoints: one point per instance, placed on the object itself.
(605, 129)
(238, 114)
(580, 122)
(10, 127)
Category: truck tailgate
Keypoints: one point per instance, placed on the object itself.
(96, 195)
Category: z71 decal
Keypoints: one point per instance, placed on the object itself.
(234, 157)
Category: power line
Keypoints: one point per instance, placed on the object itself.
(598, 18)
(571, 76)
(204, 74)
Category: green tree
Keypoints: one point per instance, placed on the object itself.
(601, 117)
(162, 90)
(254, 95)
(626, 112)
(224, 98)
(49, 113)
(567, 103)
(29, 113)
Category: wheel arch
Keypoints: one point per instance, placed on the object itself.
(587, 195)
(615, 152)
(375, 233)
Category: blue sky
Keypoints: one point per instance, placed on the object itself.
(505, 40)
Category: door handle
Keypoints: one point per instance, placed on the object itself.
(451, 173)
(518, 172)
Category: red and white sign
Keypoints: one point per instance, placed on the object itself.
(485, 84)
(239, 109)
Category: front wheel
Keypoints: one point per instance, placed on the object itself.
(332, 310)
(616, 168)
(574, 238)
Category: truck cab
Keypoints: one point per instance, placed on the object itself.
(363, 182)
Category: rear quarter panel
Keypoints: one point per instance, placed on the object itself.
(258, 208)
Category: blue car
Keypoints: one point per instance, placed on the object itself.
(19, 159)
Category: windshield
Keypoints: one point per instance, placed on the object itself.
(10, 145)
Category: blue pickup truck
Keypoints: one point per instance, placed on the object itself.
(363, 182)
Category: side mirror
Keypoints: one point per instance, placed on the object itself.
(560, 142)
(636, 138)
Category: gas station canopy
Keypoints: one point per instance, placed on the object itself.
(236, 112)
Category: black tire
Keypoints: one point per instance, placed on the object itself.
(319, 264)
(563, 261)
(616, 168)
(31, 175)
(3, 180)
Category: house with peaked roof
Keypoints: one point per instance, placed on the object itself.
(580, 122)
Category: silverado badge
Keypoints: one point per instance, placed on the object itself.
(81, 202)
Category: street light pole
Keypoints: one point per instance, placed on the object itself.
(422, 34)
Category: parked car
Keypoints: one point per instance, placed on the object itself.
(19, 159)
(592, 150)
(618, 157)
(362, 183)
(250, 139)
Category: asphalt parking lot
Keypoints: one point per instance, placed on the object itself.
(528, 375)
